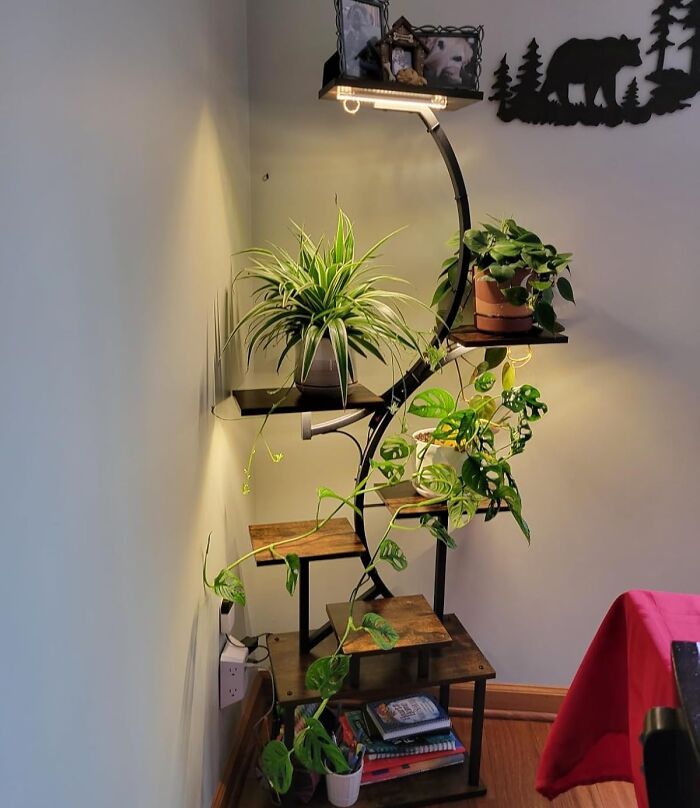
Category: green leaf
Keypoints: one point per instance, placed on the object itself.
(327, 493)
(501, 274)
(229, 587)
(565, 289)
(293, 566)
(460, 427)
(380, 630)
(438, 530)
(506, 249)
(313, 746)
(485, 382)
(433, 403)
(508, 376)
(396, 447)
(463, 508)
(444, 287)
(516, 295)
(337, 331)
(438, 478)
(494, 356)
(390, 551)
(391, 470)
(276, 766)
(474, 478)
(512, 498)
(545, 315)
(327, 674)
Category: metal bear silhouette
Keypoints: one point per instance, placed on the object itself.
(595, 64)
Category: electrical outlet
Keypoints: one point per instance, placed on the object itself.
(233, 674)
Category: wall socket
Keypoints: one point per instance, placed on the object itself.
(233, 674)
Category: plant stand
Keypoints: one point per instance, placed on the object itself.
(434, 650)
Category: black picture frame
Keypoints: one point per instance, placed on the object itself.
(469, 74)
(357, 59)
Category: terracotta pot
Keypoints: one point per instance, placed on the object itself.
(493, 313)
(323, 378)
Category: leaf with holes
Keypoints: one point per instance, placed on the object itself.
(392, 471)
(229, 587)
(276, 766)
(315, 749)
(380, 630)
(485, 382)
(396, 447)
(293, 565)
(327, 674)
(390, 552)
(438, 478)
(433, 403)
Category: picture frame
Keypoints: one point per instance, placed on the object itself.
(402, 54)
(360, 24)
(454, 55)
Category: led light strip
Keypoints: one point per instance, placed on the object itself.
(388, 99)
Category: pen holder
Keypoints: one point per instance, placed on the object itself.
(344, 789)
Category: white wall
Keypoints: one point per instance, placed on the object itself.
(610, 481)
(124, 155)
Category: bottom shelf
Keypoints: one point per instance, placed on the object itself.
(429, 788)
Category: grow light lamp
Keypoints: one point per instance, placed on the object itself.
(394, 100)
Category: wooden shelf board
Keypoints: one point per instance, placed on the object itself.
(336, 539)
(415, 790)
(417, 624)
(469, 336)
(456, 98)
(382, 675)
(404, 494)
(261, 401)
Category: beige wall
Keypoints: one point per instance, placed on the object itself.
(610, 481)
(124, 167)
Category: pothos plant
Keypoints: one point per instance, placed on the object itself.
(489, 429)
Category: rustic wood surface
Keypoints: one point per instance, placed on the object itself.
(416, 623)
(336, 539)
(381, 675)
(469, 336)
(402, 494)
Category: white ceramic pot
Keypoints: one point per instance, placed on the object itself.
(344, 789)
(323, 377)
(430, 454)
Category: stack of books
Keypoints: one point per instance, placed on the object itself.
(402, 736)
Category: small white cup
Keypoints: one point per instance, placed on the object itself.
(344, 789)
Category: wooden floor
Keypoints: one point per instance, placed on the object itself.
(510, 756)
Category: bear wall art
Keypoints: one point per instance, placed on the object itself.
(581, 81)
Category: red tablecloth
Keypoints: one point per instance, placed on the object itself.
(626, 671)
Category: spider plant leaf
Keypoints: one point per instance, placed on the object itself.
(311, 343)
(339, 341)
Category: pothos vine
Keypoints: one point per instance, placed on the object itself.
(488, 429)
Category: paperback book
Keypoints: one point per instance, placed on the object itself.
(408, 716)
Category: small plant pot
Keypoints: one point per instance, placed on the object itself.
(344, 789)
(493, 313)
(430, 454)
(324, 377)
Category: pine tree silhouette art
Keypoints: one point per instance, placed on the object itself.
(661, 29)
(692, 22)
(630, 102)
(526, 100)
(501, 89)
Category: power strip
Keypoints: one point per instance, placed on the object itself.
(233, 674)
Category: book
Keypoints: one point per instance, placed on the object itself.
(395, 771)
(355, 730)
(393, 763)
(409, 716)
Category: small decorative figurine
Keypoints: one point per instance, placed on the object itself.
(402, 54)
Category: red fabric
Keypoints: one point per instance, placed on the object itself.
(626, 671)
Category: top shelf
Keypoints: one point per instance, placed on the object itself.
(288, 400)
(455, 98)
(469, 336)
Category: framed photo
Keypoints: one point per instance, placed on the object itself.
(454, 56)
(361, 25)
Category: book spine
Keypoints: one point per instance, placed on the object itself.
(443, 746)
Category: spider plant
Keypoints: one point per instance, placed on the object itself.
(324, 291)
